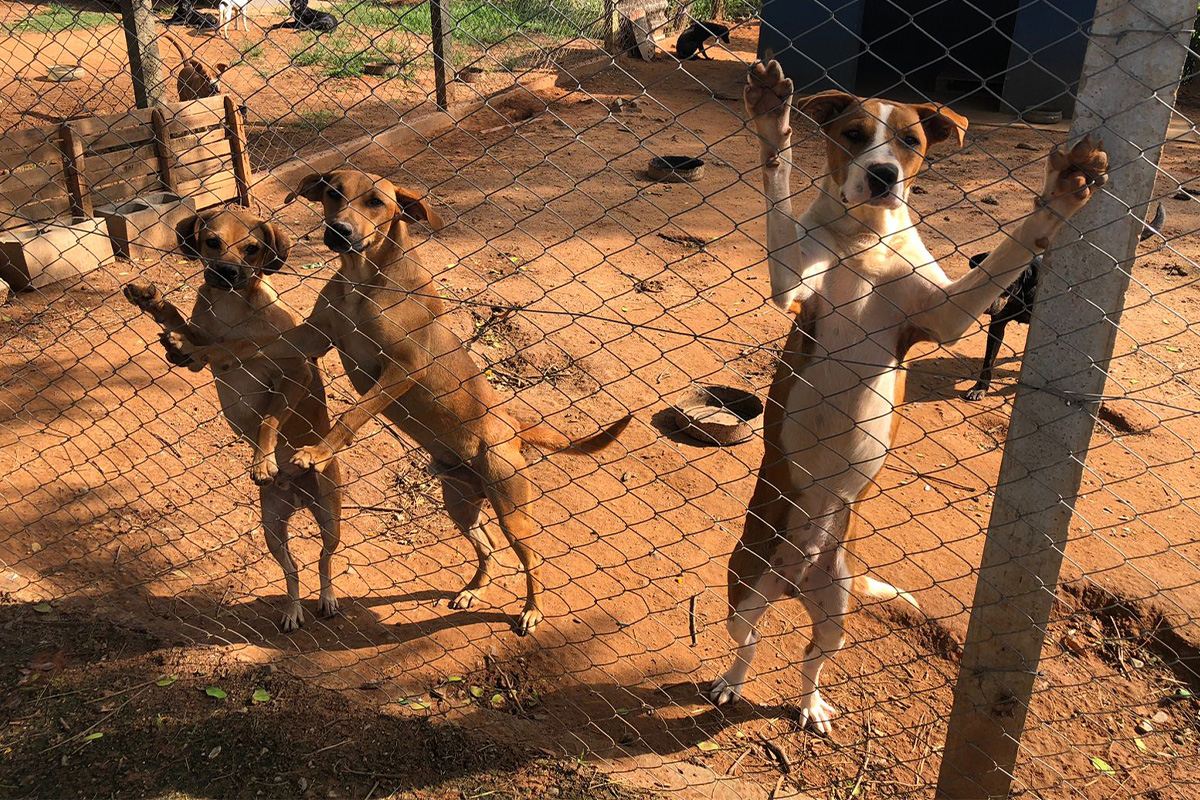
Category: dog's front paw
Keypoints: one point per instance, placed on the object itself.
(143, 295)
(975, 393)
(263, 471)
(768, 102)
(327, 604)
(177, 358)
(1072, 176)
(311, 457)
(293, 618)
(180, 344)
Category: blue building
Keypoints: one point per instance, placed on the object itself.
(1012, 55)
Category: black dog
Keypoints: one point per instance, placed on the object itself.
(1016, 305)
(186, 14)
(309, 20)
(692, 42)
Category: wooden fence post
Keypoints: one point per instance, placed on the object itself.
(440, 23)
(163, 151)
(73, 171)
(235, 131)
(141, 39)
(1131, 71)
(611, 26)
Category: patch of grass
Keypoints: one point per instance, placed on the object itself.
(319, 119)
(252, 52)
(57, 18)
(733, 9)
(342, 57)
(481, 22)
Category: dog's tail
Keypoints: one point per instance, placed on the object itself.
(1154, 226)
(178, 48)
(866, 586)
(552, 441)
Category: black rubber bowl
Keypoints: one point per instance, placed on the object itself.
(717, 415)
(675, 169)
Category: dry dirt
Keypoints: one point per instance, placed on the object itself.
(125, 502)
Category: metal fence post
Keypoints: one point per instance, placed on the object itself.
(141, 39)
(1134, 60)
(440, 23)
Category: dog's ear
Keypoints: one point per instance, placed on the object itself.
(824, 106)
(940, 124)
(415, 208)
(221, 67)
(277, 244)
(976, 260)
(311, 188)
(187, 232)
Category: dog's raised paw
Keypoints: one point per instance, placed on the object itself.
(767, 97)
(311, 457)
(143, 295)
(263, 472)
(1073, 176)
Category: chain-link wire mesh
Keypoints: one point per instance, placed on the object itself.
(459, 243)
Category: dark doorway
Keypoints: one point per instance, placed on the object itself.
(951, 50)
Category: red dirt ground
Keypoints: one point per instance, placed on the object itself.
(124, 499)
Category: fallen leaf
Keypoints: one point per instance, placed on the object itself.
(312, 265)
(260, 695)
(709, 747)
(165, 680)
(454, 679)
(1140, 744)
(216, 691)
(1103, 766)
(91, 737)
(419, 705)
(476, 691)
(497, 699)
(216, 751)
(43, 608)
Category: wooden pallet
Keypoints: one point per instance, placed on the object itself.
(196, 149)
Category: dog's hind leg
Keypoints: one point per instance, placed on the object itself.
(743, 629)
(464, 503)
(278, 506)
(327, 511)
(995, 337)
(511, 493)
(286, 394)
(825, 592)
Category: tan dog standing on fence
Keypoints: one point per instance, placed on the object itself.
(863, 289)
(276, 406)
(383, 314)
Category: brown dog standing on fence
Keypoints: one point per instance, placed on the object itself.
(863, 289)
(383, 314)
(277, 406)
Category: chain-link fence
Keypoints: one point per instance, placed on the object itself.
(410, 269)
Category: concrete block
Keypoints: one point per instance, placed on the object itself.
(37, 255)
(144, 227)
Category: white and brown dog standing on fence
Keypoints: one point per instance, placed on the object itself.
(863, 289)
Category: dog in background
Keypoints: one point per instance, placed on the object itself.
(194, 81)
(692, 43)
(862, 289)
(383, 314)
(1015, 304)
(277, 406)
(309, 20)
(186, 14)
(229, 13)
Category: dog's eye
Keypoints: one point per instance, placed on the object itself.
(212, 242)
(333, 194)
(912, 141)
(251, 249)
(375, 202)
(853, 135)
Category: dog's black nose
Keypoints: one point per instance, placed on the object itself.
(220, 276)
(339, 237)
(881, 178)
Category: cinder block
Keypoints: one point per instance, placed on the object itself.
(38, 255)
(144, 227)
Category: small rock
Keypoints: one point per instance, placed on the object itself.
(1075, 643)
(920, 190)
(216, 751)
(617, 105)
(303, 784)
(1161, 718)
(588, 99)
(1136, 663)
(989, 201)
(1026, 146)
(1144, 727)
